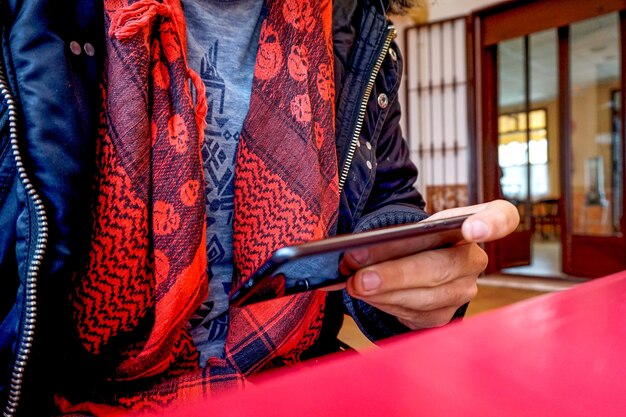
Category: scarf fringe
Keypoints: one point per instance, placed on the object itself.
(129, 21)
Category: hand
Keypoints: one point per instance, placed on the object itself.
(425, 289)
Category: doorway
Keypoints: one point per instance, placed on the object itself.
(548, 92)
(528, 148)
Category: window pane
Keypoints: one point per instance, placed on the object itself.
(595, 78)
(513, 136)
(544, 116)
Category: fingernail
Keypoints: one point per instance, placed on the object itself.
(479, 229)
(360, 256)
(370, 280)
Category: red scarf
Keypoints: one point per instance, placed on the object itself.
(147, 270)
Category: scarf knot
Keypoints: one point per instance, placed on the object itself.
(128, 21)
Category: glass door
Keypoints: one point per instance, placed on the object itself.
(513, 138)
(528, 150)
(550, 114)
(595, 159)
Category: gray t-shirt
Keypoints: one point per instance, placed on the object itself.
(222, 41)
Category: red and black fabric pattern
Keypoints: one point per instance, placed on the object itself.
(147, 269)
(286, 186)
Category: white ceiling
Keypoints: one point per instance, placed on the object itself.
(445, 9)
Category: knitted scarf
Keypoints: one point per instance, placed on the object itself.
(147, 268)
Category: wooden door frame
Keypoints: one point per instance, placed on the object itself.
(565, 144)
(509, 20)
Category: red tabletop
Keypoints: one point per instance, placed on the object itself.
(562, 354)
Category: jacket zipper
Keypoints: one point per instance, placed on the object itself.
(363, 108)
(27, 330)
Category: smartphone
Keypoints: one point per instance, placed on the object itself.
(314, 265)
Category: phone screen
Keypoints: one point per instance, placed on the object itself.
(314, 265)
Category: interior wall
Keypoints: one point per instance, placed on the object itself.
(438, 10)
(591, 135)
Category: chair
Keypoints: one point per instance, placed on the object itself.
(546, 217)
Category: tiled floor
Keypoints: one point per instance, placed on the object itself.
(546, 260)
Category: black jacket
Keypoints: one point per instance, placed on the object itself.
(49, 76)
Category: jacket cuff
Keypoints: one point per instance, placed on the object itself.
(374, 323)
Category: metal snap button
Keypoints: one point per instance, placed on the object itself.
(383, 101)
(89, 49)
(369, 165)
(393, 54)
(75, 48)
(368, 145)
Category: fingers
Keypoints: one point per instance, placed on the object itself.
(490, 221)
(459, 211)
(438, 306)
(356, 259)
(497, 219)
(422, 290)
(422, 270)
(402, 303)
(334, 287)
